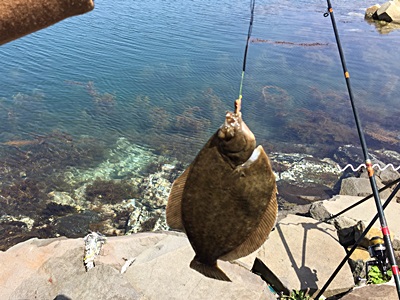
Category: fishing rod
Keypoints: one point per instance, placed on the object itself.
(368, 163)
(252, 5)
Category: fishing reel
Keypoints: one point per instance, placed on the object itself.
(377, 251)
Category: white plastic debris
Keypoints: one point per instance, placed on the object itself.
(93, 243)
(127, 264)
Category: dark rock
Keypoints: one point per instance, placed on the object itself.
(358, 268)
(76, 225)
(370, 12)
(349, 154)
(353, 186)
(347, 236)
(385, 162)
(319, 212)
(389, 12)
(55, 209)
(305, 193)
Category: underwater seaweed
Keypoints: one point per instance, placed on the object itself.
(317, 126)
(287, 43)
(103, 102)
(379, 134)
(277, 100)
(24, 196)
(110, 191)
(21, 99)
(378, 121)
(159, 118)
(214, 107)
(192, 121)
(30, 172)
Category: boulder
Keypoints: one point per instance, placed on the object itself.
(357, 262)
(354, 186)
(53, 269)
(389, 12)
(370, 11)
(373, 292)
(363, 212)
(303, 253)
(166, 264)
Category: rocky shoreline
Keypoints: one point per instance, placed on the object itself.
(300, 254)
(126, 195)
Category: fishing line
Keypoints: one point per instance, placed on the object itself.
(252, 4)
(376, 166)
(368, 163)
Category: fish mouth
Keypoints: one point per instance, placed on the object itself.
(231, 125)
(236, 141)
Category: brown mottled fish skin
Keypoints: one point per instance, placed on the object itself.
(225, 202)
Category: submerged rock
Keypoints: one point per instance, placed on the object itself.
(75, 225)
(144, 218)
(363, 212)
(350, 159)
(304, 168)
(302, 178)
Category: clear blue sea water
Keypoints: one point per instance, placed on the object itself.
(162, 73)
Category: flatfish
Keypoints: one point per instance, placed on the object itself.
(225, 201)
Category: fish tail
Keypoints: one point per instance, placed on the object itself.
(211, 271)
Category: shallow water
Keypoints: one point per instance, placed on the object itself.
(162, 74)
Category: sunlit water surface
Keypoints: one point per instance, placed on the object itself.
(162, 74)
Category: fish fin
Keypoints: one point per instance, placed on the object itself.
(260, 234)
(211, 271)
(253, 157)
(174, 204)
